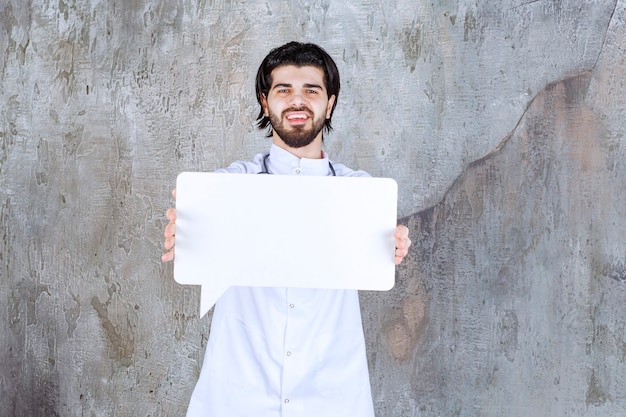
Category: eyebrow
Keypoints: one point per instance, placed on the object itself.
(306, 85)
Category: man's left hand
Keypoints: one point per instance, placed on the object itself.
(401, 234)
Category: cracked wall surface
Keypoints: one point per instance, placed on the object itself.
(503, 123)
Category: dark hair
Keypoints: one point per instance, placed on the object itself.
(300, 55)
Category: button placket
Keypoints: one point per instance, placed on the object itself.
(287, 364)
(291, 307)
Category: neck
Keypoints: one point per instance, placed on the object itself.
(312, 151)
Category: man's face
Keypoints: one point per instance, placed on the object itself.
(297, 104)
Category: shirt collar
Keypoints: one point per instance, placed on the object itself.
(282, 162)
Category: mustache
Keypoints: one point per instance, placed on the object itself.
(304, 109)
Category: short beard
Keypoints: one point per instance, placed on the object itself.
(298, 136)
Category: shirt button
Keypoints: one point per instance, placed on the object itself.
(291, 306)
(288, 353)
(286, 400)
(297, 170)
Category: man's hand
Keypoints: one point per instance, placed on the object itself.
(170, 232)
(401, 234)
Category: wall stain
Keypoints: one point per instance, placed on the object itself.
(22, 303)
(71, 315)
(405, 324)
(595, 393)
(122, 345)
(501, 212)
(472, 28)
(411, 41)
(616, 271)
(507, 334)
(182, 320)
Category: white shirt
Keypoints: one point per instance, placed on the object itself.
(285, 352)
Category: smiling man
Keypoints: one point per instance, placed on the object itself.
(286, 351)
(298, 106)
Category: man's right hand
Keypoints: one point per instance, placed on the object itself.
(170, 233)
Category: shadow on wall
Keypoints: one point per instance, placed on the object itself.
(515, 273)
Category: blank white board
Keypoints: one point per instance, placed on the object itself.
(284, 231)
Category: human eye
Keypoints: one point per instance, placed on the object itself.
(281, 89)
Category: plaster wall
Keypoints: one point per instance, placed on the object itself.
(503, 123)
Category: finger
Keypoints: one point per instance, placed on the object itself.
(401, 231)
(168, 256)
(169, 243)
(174, 193)
(400, 252)
(170, 230)
(401, 235)
(403, 243)
(171, 214)
(400, 255)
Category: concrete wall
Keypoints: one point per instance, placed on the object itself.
(502, 121)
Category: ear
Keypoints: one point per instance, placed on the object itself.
(263, 100)
(329, 107)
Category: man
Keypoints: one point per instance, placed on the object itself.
(286, 351)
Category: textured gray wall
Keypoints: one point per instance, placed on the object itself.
(502, 121)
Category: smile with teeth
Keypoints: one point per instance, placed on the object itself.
(297, 116)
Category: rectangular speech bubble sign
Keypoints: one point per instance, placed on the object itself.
(284, 231)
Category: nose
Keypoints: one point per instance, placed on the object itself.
(297, 100)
